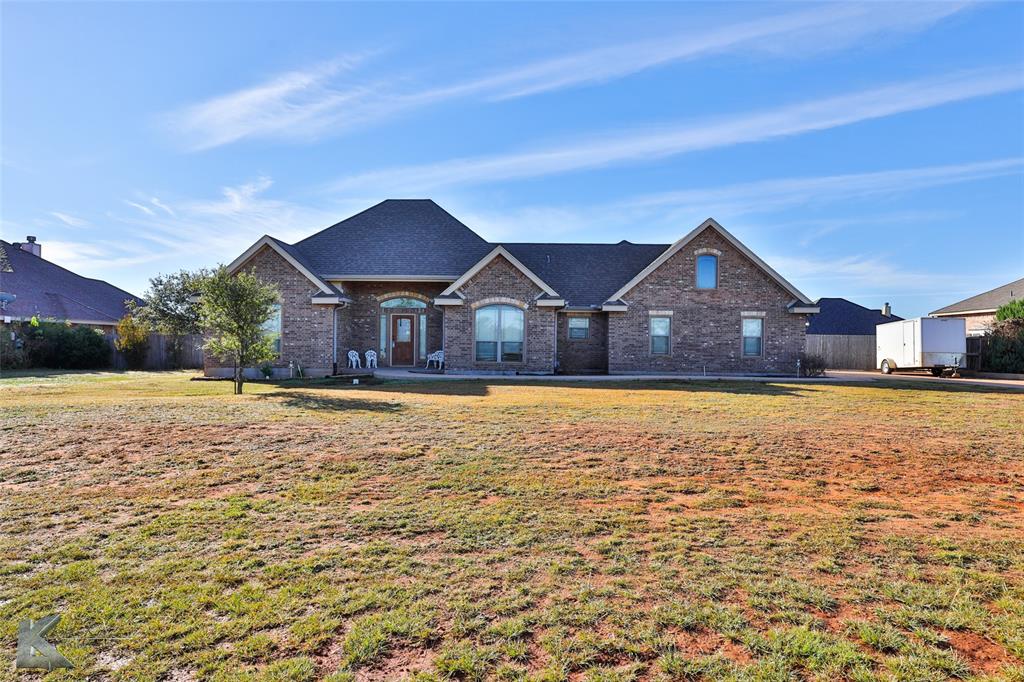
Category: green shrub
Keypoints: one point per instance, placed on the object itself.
(1005, 351)
(1014, 310)
(59, 346)
(812, 365)
(132, 341)
(12, 351)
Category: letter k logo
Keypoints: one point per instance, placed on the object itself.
(33, 650)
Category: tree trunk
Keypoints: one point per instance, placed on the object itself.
(238, 380)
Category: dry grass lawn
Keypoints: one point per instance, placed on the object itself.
(508, 531)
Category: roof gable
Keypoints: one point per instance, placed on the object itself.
(987, 301)
(287, 252)
(710, 223)
(515, 262)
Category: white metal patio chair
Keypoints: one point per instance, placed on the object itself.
(353, 360)
(371, 359)
(437, 357)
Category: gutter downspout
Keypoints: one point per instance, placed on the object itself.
(334, 338)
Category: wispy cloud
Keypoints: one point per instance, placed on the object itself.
(805, 117)
(664, 216)
(68, 219)
(773, 195)
(162, 206)
(324, 99)
(145, 209)
(792, 35)
(300, 103)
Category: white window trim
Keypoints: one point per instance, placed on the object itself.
(696, 269)
(650, 335)
(752, 316)
(497, 357)
(568, 328)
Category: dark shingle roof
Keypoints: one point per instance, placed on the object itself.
(989, 300)
(49, 291)
(397, 237)
(586, 274)
(839, 316)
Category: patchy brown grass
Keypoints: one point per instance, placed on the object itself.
(489, 530)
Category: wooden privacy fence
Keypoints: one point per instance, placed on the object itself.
(159, 355)
(843, 351)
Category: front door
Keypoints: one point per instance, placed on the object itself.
(402, 346)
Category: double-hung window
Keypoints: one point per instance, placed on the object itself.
(661, 335)
(753, 337)
(579, 327)
(499, 334)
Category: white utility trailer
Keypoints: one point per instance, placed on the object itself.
(938, 344)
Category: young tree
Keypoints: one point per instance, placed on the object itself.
(132, 339)
(171, 309)
(232, 310)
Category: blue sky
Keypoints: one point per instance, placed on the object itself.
(874, 152)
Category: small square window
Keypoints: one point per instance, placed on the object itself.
(661, 335)
(579, 327)
(707, 272)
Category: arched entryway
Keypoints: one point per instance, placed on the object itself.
(402, 330)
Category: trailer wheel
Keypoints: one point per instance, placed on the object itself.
(936, 371)
(886, 369)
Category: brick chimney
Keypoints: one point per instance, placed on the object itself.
(32, 246)
(887, 310)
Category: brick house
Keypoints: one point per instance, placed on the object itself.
(45, 290)
(405, 278)
(980, 311)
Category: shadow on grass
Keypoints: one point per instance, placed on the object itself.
(318, 401)
(481, 386)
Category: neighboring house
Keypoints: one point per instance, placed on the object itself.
(50, 292)
(843, 333)
(405, 278)
(980, 310)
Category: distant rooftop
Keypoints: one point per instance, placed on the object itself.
(840, 316)
(986, 302)
(48, 291)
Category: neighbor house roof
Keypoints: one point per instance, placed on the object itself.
(986, 302)
(839, 316)
(397, 239)
(48, 291)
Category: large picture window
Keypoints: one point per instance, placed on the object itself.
(707, 272)
(661, 335)
(499, 334)
(272, 329)
(753, 336)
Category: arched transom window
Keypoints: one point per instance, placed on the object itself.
(499, 334)
(403, 302)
